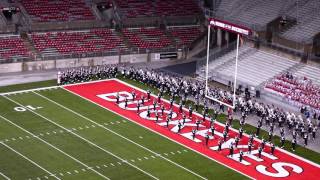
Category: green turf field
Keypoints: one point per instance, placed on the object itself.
(71, 138)
(67, 137)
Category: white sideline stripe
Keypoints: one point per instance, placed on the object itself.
(34, 163)
(4, 176)
(54, 147)
(131, 141)
(45, 88)
(82, 138)
(154, 130)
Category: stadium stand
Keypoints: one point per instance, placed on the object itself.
(75, 42)
(147, 38)
(308, 22)
(11, 47)
(145, 8)
(310, 72)
(300, 90)
(249, 66)
(57, 10)
(253, 14)
(184, 36)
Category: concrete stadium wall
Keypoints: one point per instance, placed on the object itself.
(78, 62)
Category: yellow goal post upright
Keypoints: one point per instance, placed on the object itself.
(230, 27)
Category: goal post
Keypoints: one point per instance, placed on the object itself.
(233, 29)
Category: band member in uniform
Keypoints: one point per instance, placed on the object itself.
(179, 127)
(126, 103)
(219, 145)
(293, 143)
(117, 97)
(212, 131)
(240, 132)
(237, 141)
(273, 147)
(260, 151)
(138, 107)
(241, 155)
(231, 150)
(282, 140)
(194, 131)
(207, 139)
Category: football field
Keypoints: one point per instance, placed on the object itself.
(80, 132)
(54, 134)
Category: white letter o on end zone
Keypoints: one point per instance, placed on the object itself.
(281, 172)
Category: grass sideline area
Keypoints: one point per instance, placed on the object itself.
(189, 159)
(26, 86)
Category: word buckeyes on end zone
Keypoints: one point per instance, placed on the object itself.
(257, 160)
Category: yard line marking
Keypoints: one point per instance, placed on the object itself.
(52, 146)
(82, 138)
(4, 176)
(34, 163)
(133, 142)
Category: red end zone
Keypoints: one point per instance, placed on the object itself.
(281, 164)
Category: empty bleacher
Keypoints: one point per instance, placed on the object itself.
(147, 38)
(149, 8)
(77, 42)
(184, 36)
(254, 14)
(57, 10)
(254, 66)
(12, 47)
(310, 72)
(308, 22)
